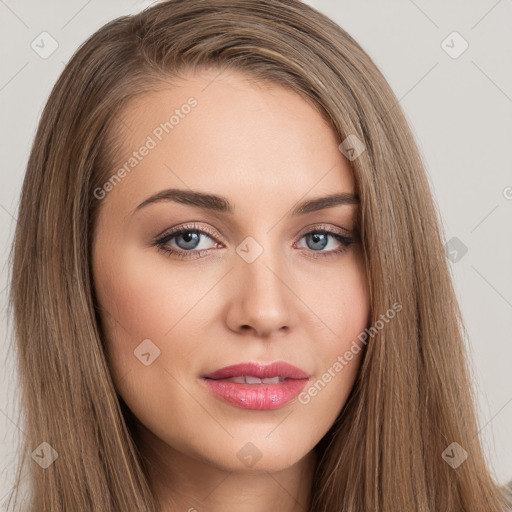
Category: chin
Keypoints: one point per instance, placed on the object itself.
(258, 455)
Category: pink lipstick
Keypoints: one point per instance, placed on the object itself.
(257, 386)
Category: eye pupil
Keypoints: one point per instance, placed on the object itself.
(190, 237)
(319, 238)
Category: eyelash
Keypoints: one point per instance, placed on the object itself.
(162, 242)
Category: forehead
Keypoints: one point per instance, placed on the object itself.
(230, 136)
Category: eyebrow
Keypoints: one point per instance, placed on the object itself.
(221, 204)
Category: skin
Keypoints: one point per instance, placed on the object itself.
(264, 148)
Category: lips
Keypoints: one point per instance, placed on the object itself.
(278, 369)
(257, 386)
(248, 379)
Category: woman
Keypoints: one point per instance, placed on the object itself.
(229, 284)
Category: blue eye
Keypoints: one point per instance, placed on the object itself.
(190, 239)
(186, 240)
(320, 240)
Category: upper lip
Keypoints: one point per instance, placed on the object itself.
(260, 370)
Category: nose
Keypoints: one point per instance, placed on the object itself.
(261, 297)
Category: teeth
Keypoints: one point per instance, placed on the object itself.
(249, 379)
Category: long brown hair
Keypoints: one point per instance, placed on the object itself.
(412, 397)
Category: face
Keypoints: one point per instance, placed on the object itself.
(251, 279)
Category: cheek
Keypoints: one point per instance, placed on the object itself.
(152, 332)
(343, 313)
(135, 307)
(155, 323)
(139, 301)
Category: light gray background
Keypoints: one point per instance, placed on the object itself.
(459, 110)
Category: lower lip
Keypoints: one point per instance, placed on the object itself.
(259, 397)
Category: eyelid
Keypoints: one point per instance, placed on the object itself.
(327, 227)
(187, 227)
